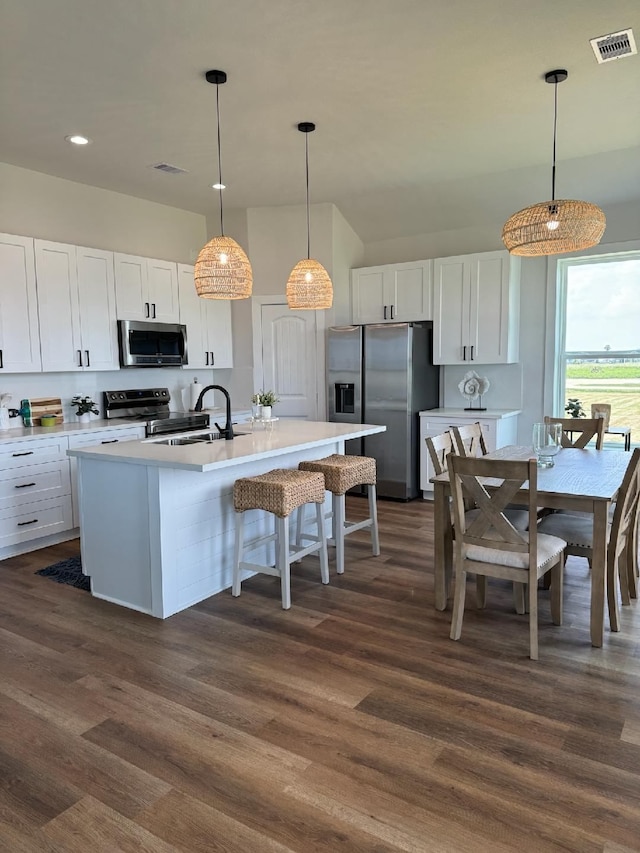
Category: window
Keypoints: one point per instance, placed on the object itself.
(599, 313)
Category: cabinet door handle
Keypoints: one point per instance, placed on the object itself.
(24, 486)
(86, 352)
(471, 352)
(80, 358)
(146, 310)
(207, 361)
(213, 361)
(464, 353)
(154, 310)
(26, 453)
(111, 441)
(385, 312)
(1, 359)
(22, 523)
(393, 316)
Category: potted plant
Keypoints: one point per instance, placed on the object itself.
(84, 407)
(268, 399)
(574, 408)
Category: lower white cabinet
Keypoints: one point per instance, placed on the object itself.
(89, 438)
(499, 427)
(35, 490)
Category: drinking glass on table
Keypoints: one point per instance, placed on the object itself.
(547, 442)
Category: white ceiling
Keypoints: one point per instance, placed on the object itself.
(430, 113)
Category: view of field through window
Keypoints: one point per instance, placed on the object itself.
(602, 347)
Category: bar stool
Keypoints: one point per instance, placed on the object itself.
(342, 473)
(279, 492)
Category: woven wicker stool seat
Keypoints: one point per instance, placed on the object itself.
(279, 492)
(342, 473)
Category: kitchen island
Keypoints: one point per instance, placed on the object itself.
(157, 520)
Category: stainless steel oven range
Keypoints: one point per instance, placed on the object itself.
(151, 405)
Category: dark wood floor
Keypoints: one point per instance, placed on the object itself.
(349, 723)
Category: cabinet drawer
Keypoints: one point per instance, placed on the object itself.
(33, 520)
(15, 454)
(31, 483)
(106, 436)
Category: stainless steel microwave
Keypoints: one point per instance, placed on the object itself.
(143, 344)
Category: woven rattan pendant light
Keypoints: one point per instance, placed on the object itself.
(309, 284)
(222, 270)
(556, 226)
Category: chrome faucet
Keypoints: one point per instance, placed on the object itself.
(227, 432)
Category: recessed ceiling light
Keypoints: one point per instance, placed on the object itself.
(218, 187)
(76, 139)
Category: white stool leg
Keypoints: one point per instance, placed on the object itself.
(282, 560)
(299, 524)
(338, 530)
(322, 536)
(373, 512)
(238, 552)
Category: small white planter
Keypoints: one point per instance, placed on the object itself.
(266, 411)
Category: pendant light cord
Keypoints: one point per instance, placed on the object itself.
(555, 126)
(219, 158)
(306, 152)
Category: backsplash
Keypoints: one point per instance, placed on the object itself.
(68, 385)
(506, 385)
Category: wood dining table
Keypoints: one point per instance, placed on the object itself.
(580, 480)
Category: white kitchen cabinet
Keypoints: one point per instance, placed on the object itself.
(19, 332)
(146, 289)
(208, 322)
(476, 309)
(35, 492)
(92, 437)
(76, 304)
(499, 427)
(392, 293)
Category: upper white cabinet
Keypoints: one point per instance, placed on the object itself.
(476, 309)
(19, 336)
(392, 293)
(208, 322)
(76, 304)
(146, 289)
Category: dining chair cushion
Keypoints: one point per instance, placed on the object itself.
(576, 529)
(548, 548)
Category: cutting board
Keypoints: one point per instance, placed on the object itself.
(46, 406)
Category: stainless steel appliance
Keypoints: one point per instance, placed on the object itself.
(144, 344)
(151, 405)
(384, 374)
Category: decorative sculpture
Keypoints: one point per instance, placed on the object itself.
(472, 387)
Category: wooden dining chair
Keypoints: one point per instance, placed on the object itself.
(577, 531)
(490, 546)
(439, 447)
(578, 432)
(469, 440)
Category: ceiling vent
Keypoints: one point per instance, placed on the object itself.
(614, 46)
(171, 170)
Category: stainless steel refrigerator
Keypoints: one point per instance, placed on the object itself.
(384, 374)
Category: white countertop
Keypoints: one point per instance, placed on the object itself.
(285, 436)
(71, 428)
(462, 413)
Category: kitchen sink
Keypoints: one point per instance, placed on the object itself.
(201, 438)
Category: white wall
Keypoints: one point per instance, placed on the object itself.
(38, 205)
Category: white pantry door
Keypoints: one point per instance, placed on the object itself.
(289, 360)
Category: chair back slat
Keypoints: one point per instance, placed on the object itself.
(439, 447)
(624, 515)
(469, 440)
(578, 432)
